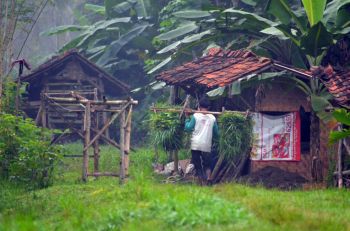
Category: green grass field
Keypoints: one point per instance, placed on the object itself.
(146, 203)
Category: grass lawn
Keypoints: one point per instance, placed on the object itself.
(145, 203)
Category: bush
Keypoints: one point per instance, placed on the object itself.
(167, 130)
(25, 152)
(236, 134)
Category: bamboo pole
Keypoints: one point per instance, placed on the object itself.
(92, 102)
(96, 143)
(176, 161)
(127, 141)
(122, 149)
(96, 146)
(340, 175)
(110, 121)
(216, 168)
(87, 124)
(193, 111)
(43, 113)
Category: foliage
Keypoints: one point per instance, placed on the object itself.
(343, 117)
(25, 152)
(236, 132)
(166, 130)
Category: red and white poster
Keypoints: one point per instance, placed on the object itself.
(276, 137)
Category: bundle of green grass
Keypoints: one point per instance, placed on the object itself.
(236, 133)
(166, 129)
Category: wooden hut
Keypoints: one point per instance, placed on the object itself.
(66, 73)
(227, 68)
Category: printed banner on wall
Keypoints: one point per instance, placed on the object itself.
(276, 137)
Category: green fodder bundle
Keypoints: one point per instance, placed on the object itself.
(236, 133)
(166, 130)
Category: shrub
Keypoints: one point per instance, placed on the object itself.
(25, 152)
(236, 134)
(166, 130)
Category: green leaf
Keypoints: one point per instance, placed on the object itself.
(281, 10)
(216, 92)
(338, 135)
(319, 103)
(331, 12)
(160, 65)
(192, 14)
(122, 7)
(314, 10)
(342, 116)
(254, 17)
(169, 47)
(249, 2)
(195, 37)
(95, 8)
(180, 31)
(316, 40)
(64, 29)
(275, 32)
(116, 46)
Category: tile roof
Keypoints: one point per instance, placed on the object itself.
(218, 68)
(57, 61)
(337, 82)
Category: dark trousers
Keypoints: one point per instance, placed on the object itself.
(201, 161)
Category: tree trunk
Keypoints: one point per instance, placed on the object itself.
(315, 145)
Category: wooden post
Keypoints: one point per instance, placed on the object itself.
(87, 125)
(43, 112)
(122, 147)
(127, 141)
(176, 161)
(340, 175)
(96, 145)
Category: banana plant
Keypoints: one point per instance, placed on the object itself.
(343, 117)
(103, 41)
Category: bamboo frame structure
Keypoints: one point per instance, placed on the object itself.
(90, 132)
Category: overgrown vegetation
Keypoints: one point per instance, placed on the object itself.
(146, 203)
(236, 133)
(166, 129)
(26, 155)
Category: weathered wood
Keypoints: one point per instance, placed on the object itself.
(216, 168)
(96, 143)
(347, 172)
(193, 111)
(38, 116)
(176, 161)
(87, 125)
(97, 174)
(43, 114)
(127, 140)
(340, 162)
(76, 156)
(110, 121)
(92, 102)
(122, 150)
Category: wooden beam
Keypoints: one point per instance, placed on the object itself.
(87, 125)
(340, 162)
(193, 111)
(97, 174)
(122, 148)
(107, 125)
(127, 140)
(92, 102)
(43, 113)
